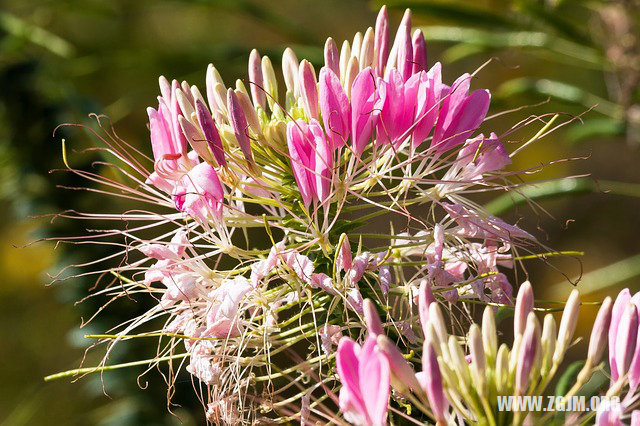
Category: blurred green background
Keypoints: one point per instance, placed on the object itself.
(60, 61)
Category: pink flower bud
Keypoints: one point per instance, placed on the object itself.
(331, 56)
(367, 50)
(344, 257)
(210, 131)
(623, 299)
(196, 139)
(364, 374)
(527, 354)
(597, 341)
(524, 306)
(364, 109)
(433, 384)
(256, 81)
(626, 339)
(162, 142)
(419, 52)
(404, 47)
(239, 124)
(403, 374)
(308, 88)
(372, 319)
(335, 108)
(634, 369)
(382, 40)
(290, 70)
(425, 299)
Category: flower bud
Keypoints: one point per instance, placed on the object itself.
(220, 99)
(195, 139)
(404, 48)
(524, 306)
(197, 96)
(598, 339)
(435, 318)
(489, 333)
(331, 58)
(239, 124)
(356, 45)
(382, 40)
(549, 331)
(403, 376)
(256, 81)
(502, 370)
(372, 319)
(185, 104)
(626, 339)
(458, 362)
(367, 50)
(308, 88)
(345, 55)
(165, 87)
(527, 354)
(249, 112)
(344, 258)
(353, 68)
(290, 70)
(434, 388)
(425, 299)
(210, 133)
(213, 78)
(419, 52)
(270, 82)
(567, 326)
(478, 361)
(624, 297)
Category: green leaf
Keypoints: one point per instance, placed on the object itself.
(596, 127)
(568, 378)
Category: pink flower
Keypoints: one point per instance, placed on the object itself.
(460, 114)
(311, 160)
(222, 310)
(364, 374)
(473, 225)
(199, 193)
(335, 108)
(365, 109)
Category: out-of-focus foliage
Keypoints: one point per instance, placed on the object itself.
(601, 36)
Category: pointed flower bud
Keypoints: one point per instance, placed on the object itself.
(403, 375)
(256, 82)
(433, 383)
(489, 333)
(419, 52)
(436, 318)
(382, 40)
(344, 257)
(567, 325)
(335, 108)
(356, 45)
(290, 70)
(270, 82)
(372, 319)
(549, 337)
(478, 360)
(404, 47)
(597, 341)
(367, 50)
(345, 55)
(210, 133)
(364, 109)
(331, 57)
(524, 306)
(527, 354)
(196, 139)
(626, 339)
(623, 299)
(249, 112)
(425, 299)
(308, 89)
(353, 68)
(502, 370)
(239, 124)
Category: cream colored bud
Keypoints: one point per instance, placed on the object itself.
(478, 361)
(548, 343)
(345, 55)
(567, 326)
(489, 333)
(367, 52)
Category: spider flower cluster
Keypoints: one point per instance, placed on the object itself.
(284, 225)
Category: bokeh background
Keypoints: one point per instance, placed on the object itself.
(61, 60)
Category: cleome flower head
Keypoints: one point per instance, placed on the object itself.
(290, 222)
